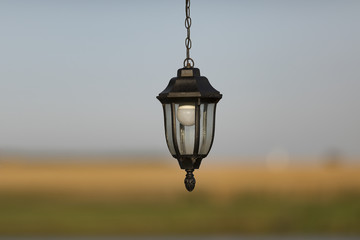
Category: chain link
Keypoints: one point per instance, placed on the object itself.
(188, 62)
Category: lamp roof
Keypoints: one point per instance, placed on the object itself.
(189, 85)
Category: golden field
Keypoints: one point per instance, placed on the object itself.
(107, 196)
(133, 177)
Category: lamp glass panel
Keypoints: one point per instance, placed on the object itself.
(168, 128)
(185, 135)
(201, 126)
(207, 127)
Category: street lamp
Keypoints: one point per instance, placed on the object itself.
(189, 104)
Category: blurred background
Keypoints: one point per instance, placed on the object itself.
(82, 146)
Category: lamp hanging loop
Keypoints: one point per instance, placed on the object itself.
(188, 62)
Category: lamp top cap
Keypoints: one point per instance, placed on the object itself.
(188, 72)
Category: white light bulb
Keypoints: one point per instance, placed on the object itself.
(186, 115)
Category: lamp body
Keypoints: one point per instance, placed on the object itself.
(189, 105)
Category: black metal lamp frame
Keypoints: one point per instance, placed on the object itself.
(189, 87)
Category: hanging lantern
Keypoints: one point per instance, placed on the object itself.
(189, 104)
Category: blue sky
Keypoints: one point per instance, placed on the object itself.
(83, 75)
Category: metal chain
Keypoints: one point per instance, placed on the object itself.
(188, 62)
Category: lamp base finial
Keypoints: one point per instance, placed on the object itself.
(189, 180)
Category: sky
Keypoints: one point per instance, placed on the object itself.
(83, 76)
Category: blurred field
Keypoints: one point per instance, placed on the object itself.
(137, 197)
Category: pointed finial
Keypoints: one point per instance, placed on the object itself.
(189, 180)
